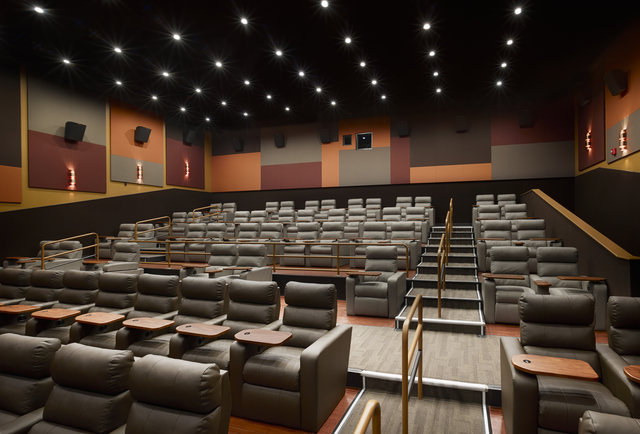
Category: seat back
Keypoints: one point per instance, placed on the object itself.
(404, 201)
(308, 230)
(25, 379)
(202, 300)
(187, 394)
(156, 294)
(61, 247)
(496, 229)
(403, 230)
(126, 252)
(223, 255)
(510, 260)
(91, 390)
(286, 215)
(337, 214)
(332, 231)
(258, 215)
(489, 212)
(305, 215)
(373, 203)
(45, 285)
(248, 230)
(357, 214)
(416, 213)
(80, 287)
(142, 234)
(530, 228)
(251, 304)
(374, 230)
(312, 205)
(327, 204)
(271, 230)
(252, 255)
(514, 211)
(196, 230)
(506, 199)
(485, 199)
(287, 204)
(424, 201)
(392, 213)
(355, 203)
(241, 217)
(559, 325)
(14, 282)
(382, 259)
(115, 291)
(271, 206)
(126, 230)
(624, 325)
(216, 230)
(310, 312)
(558, 261)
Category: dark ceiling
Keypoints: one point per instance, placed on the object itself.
(554, 43)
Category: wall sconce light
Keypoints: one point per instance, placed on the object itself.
(622, 139)
(587, 141)
(72, 179)
(186, 169)
(139, 172)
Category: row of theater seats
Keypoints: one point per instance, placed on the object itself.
(307, 373)
(46, 388)
(563, 326)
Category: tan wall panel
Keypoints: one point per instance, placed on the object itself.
(50, 107)
(451, 173)
(365, 167)
(302, 145)
(125, 169)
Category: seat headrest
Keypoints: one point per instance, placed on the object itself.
(216, 226)
(496, 225)
(253, 291)
(47, 278)
(487, 209)
(118, 282)
(224, 249)
(423, 199)
(332, 226)
(558, 309)
(313, 295)
(373, 201)
(287, 203)
(484, 197)
(127, 227)
(415, 210)
(249, 227)
(515, 207)
(154, 284)
(381, 252)
(203, 289)
(557, 254)
(70, 245)
(374, 226)
(177, 384)
(197, 227)
(93, 369)
(127, 247)
(623, 312)
(179, 215)
(15, 276)
(308, 226)
(402, 226)
(530, 224)
(271, 227)
(77, 279)
(252, 249)
(392, 210)
(27, 356)
(508, 253)
(510, 196)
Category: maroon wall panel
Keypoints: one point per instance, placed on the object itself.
(400, 160)
(299, 175)
(51, 157)
(591, 118)
(177, 155)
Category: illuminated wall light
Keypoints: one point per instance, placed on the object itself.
(587, 141)
(186, 169)
(72, 179)
(622, 139)
(139, 172)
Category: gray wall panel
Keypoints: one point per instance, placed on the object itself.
(365, 166)
(302, 145)
(533, 160)
(632, 123)
(124, 169)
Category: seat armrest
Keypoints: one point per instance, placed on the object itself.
(397, 289)
(35, 326)
(127, 336)
(519, 391)
(350, 293)
(119, 266)
(79, 331)
(275, 325)
(614, 378)
(593, 422)
(23, 423)
(583, 278)
(541, 286)
(489, 300)
(323, 376)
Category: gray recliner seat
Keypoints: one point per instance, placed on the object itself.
(125, 259)
(313, 205)
(492, 233)
(355, 203)
(91, 391)
(481, 199)
(14, 283)
(373, 206)
(381, 295)
(593, 422)
(304, 231)
(178, 395)
(485, 212)
(25, 380)
(327, 204)
(559, 326)
(66, 259)
(297, 384)
(331, 232)
(372, 232)
(404, 232)
(272, 232)
(251, 305)
(532, 234)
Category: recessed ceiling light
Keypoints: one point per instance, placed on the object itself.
(183, 109)
(154, 97)
(383, 97)
(117, 50)
(118, 82)
(509, 41)
(518, 10)
(245, 114)
(287, 109)
(218, 64)
(426, 26)
(324, 3)
(374, 82)
(499, 83)
(244, 21)
(363, 64)
(176, 36)
(66, 61)
(198, 90)
(439, 90)
(247, 82)
(301, 73)
(503, 65)
(165, 73)
(432, 53)
(279, 53)
(223, 102)
(208, 119)
(269, 96)
(333, 103)
(38, 9)
(318, 89)
(436, 73)
(347, 40)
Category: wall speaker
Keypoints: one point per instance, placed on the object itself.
(462, 124)
(346, 140)
(329, 134)
(73, 131)
(402, 127)
(616, 81)
(278, 139)
(189, 136)
(525, 118)
(238, 144)
(142, 134)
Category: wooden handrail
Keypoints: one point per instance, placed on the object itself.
(75, 237)
(592, 232)
(216, 212)
(407, 357)
(371, 414)
(165, 217)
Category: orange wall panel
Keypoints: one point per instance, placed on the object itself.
(10, 184)
(380, 128)
(451, 173)
(236, 172)
(331, 163)
(124, 121)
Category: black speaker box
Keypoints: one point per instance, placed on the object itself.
(329, 133)
(403, 129)
(189, 136)
(278, 139)
(238, 144)
(525, 118)
(616, 81)
(74, 132)
(462, 124)
(346, 140)
(142, 134)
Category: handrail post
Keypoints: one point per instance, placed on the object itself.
(371, 414)
(338, 259)
(274, 257)
(407, 356)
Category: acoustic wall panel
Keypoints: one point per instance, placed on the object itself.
(10, 184)
(185, 164)
(301, 145)
(300, 175)
(533, 160)
(331, 163)
(591, 119)
(632, 125)
(236, 172)
(125, 169)
(365, 167)
(400, 160)
(451, 173)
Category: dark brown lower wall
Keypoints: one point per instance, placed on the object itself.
(464, 194)
(609, 200)
(23, 230)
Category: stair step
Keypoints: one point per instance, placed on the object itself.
(454, 258)
(454, 248)
(457, 295)
(467, 282)
(453, 268)
(452, 319)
